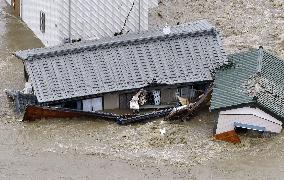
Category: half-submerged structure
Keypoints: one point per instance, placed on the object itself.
(144, 70)
(249, 93)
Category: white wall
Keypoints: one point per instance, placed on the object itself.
(31, 16)
(90, 19)
(98, 18)
(247, 115)
(153, 3)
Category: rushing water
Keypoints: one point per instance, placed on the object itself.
(94, 149)
(58, 149)
(14, 35)
(35, 151)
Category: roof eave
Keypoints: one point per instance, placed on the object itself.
(20, 56)
(126, 90)
(250, 104)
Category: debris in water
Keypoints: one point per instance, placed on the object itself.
(163, 131)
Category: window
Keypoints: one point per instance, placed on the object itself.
(42, 21)
(91, 105)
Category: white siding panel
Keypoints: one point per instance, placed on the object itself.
(91, 19)
(100, 18)
(254, 111)
(97, 104)
(255, 117)
(153, 3)
(31, 16)
(91, 105)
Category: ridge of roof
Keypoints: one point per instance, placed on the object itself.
(197, 28)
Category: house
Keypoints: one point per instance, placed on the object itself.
(248, 93)
(59, 21)
(108, 73)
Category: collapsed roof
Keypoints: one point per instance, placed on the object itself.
(182, 54)
(254, 77)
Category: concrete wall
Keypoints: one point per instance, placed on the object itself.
(90, 19)
(111, 101)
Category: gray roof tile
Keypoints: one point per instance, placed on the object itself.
(188, 54)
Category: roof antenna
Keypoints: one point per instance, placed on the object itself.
(259, 59)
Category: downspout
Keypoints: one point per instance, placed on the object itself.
(69, 21)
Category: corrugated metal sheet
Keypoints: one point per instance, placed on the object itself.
(89, 19)
(188, 54)
(153, 3)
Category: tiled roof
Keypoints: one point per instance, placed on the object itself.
(189, 53)
(240, 84)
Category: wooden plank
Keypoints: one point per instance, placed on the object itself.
(33, 113)
(230, 136)
(186, 111)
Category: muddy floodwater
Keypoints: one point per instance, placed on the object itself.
(97, 149)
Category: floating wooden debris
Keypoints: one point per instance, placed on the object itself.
(37, 112)
(230, 136)
(186, 111)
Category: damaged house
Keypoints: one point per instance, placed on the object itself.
(249, 94)
(110, 73)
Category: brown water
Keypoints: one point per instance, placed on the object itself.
(70, 149)
(94, 149)
(43, 150)
(243, 23)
